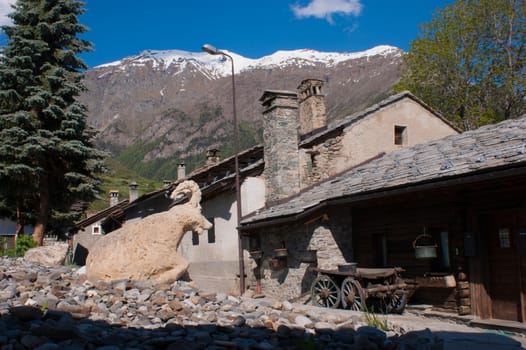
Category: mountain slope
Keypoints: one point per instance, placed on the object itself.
(161, 107)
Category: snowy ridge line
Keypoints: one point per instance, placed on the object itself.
(219, 66)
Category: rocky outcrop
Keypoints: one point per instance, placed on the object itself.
(147, 249)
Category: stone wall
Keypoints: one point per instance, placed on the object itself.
(329, 234)
(317, 162)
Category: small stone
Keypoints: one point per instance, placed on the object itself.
(220, 297)
(8, 293)
(238, 321)
(303, 321)
(287, 306)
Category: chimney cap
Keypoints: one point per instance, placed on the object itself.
(133, 184)
(212, 152)
(270, 94)
(310, 81)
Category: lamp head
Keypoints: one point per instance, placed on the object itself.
(211, 49)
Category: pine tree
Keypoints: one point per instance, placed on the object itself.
(47, 159)
(469, 62)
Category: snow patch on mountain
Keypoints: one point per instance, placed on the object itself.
(217, 66)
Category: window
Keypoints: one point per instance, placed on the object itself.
(504, 237)
(195, 238)
(211, 231)
(96, 229)
(400, 135)
(312, 160)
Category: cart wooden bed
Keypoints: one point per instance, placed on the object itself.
(351, 289)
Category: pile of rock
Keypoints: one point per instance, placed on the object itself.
(57, 308)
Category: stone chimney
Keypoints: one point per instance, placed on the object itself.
(166, 183)
(313, 114)
(134, 192)
(114, 197)
(212, 157)
(280, 144)
(181, 171)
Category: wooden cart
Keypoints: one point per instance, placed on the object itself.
(351, 289)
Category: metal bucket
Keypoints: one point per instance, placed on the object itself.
(425, 251)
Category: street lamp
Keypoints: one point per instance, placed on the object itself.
(214, 51)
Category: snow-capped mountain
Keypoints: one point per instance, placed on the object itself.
(219, 66)
(180, 103)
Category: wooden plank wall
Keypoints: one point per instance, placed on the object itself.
(401, 224)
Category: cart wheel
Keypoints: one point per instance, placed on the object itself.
(325, 292)
(353, 296)
(397, 302)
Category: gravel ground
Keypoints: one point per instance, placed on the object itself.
(57, 308)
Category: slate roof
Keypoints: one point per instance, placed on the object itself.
(101, 215)
(489, 148)
(316, 135)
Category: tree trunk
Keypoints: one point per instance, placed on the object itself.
(19, 222)
(40, 227)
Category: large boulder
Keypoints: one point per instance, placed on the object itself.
(48, 255)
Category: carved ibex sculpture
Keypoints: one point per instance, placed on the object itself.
(147, 249)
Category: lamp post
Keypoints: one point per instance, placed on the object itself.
(214, 51)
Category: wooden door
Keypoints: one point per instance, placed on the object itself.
(504, 265)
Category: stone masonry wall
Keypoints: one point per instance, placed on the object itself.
(288, 278)
(317, 162)
(312, 114)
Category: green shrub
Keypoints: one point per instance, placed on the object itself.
(23, 244)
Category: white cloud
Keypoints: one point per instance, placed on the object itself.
(5, 8)
(327, 8)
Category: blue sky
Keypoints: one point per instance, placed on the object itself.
(120, 28)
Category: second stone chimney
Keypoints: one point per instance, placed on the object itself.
(313, 114)
(134, 192)
(212, 156)
(280, 144)
(114, 197)
(181, 171)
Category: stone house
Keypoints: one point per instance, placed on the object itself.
(301, 149)
(214, 258)
(464, 191)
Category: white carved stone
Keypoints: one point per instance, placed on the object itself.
(147, 249)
